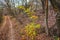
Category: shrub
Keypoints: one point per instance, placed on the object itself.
(31, 29)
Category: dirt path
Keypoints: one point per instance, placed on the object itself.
(11, 29)
(7, 26)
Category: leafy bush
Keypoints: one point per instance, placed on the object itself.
(28, 12)
(30, 29)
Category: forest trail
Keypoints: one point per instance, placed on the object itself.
(7, 28)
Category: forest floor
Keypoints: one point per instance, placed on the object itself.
(10, 30)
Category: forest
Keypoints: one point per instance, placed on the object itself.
(29, 19)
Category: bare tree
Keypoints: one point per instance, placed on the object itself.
(45, 10)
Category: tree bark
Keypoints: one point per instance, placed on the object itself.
(45, 10)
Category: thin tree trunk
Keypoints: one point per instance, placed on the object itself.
(45, 10)
(46, 14)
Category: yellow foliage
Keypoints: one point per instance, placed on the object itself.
(31, 28)
(21, 7)
(28, 10)
(34, 17)
(37, 26)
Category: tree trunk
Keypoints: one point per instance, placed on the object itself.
(45, 10)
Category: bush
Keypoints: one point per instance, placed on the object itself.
(31, 29)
